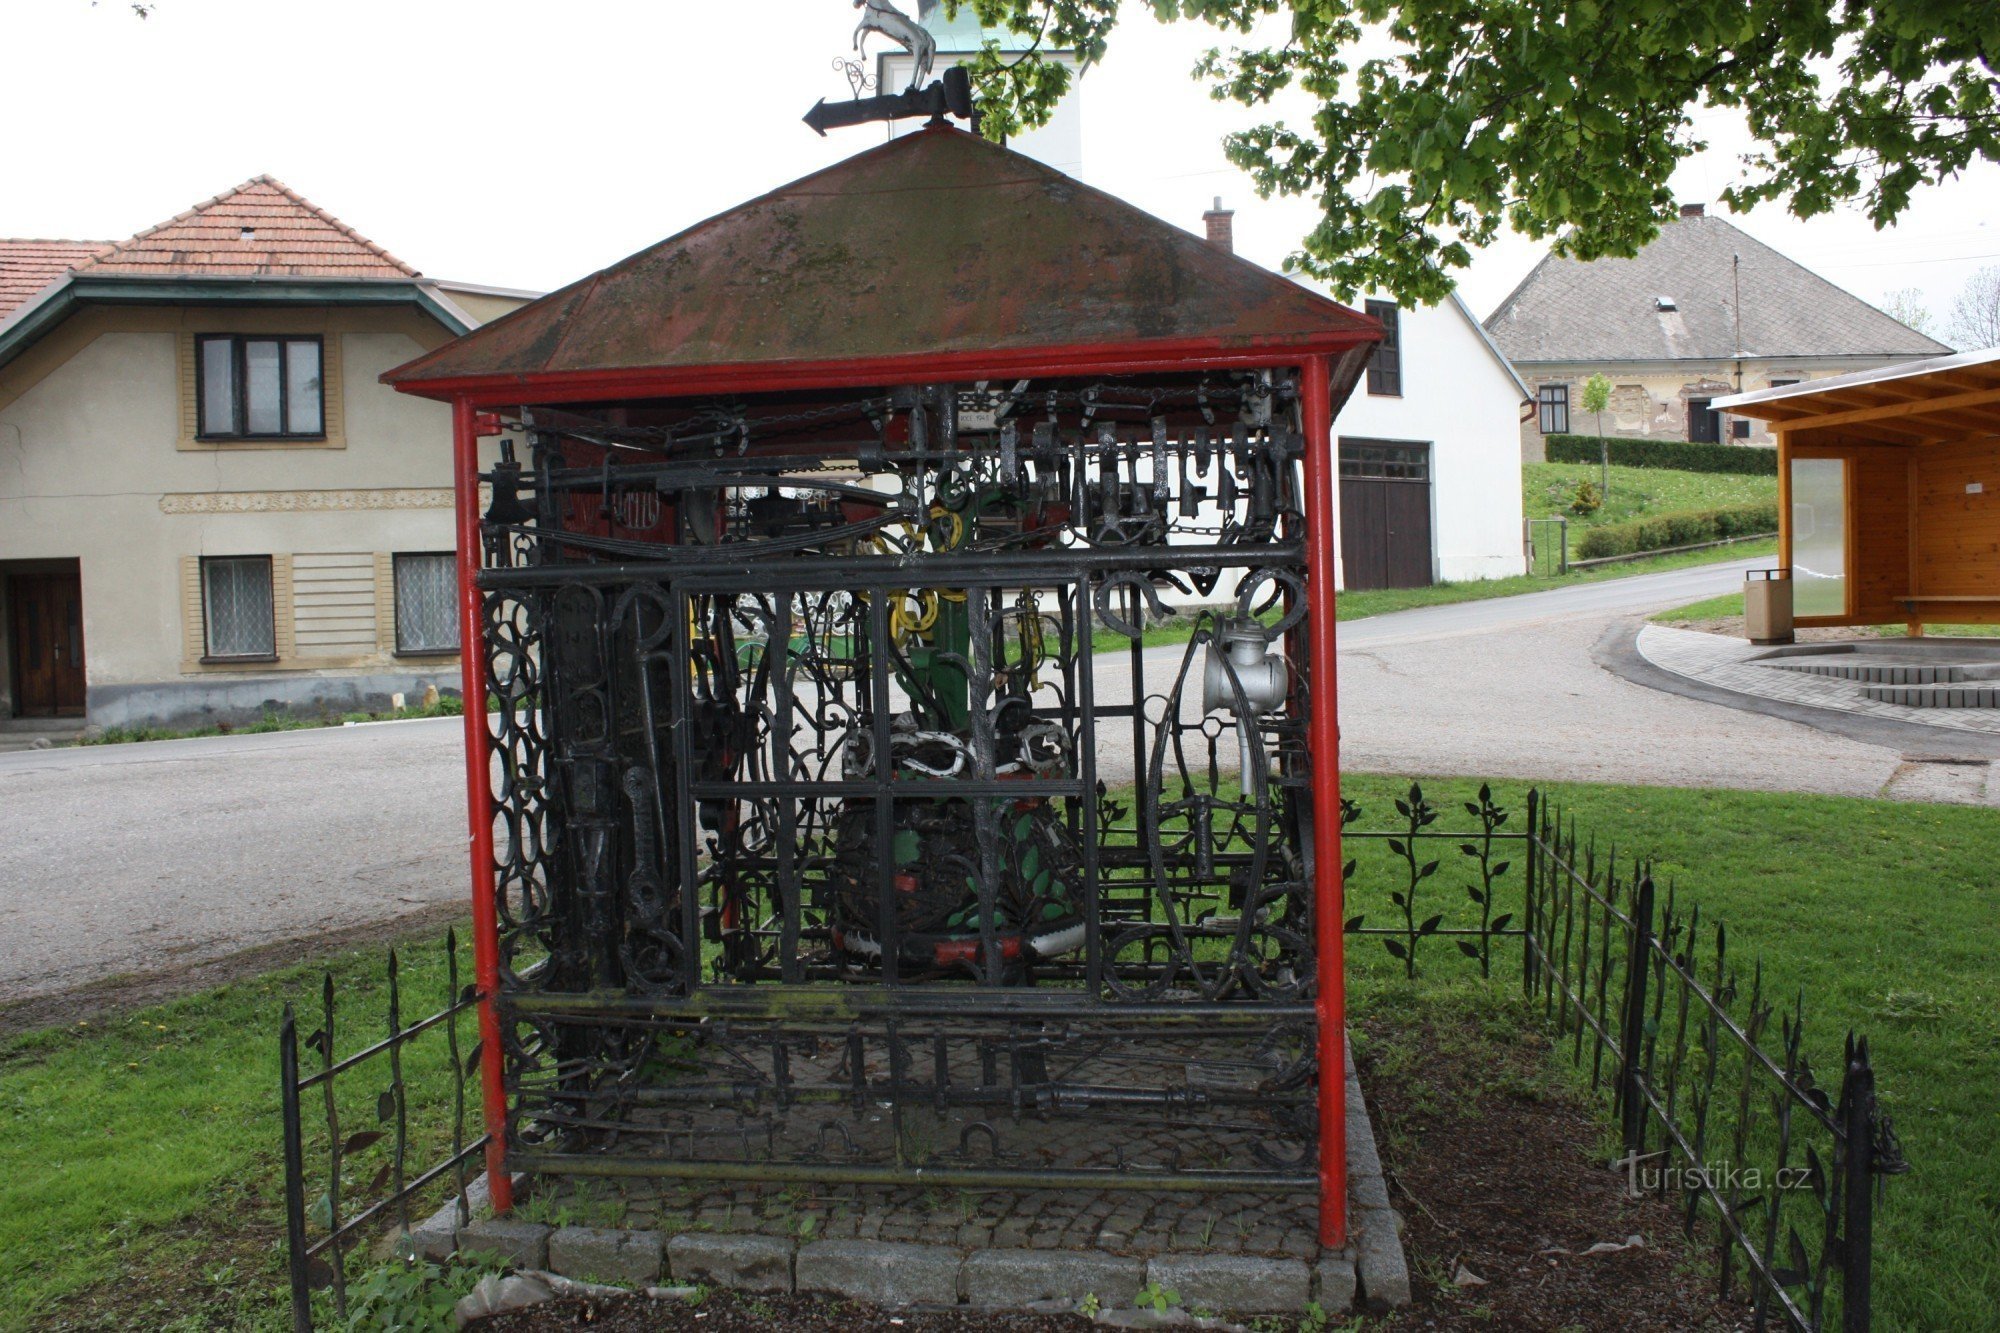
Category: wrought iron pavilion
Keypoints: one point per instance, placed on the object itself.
(826, 822)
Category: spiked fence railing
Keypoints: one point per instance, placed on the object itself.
(319, 1235)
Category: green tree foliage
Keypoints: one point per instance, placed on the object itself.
(1597, 397)
(1564, 120)
(1907, 305)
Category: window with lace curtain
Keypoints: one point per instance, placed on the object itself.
(237, 608)
(427, 602)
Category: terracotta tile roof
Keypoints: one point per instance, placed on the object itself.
(27, 266)
(261, 228)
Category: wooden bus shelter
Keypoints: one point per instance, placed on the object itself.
(1889, 491)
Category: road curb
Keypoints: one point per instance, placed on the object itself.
(1617, 651)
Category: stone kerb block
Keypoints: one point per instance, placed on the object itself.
(881, 1272)
(594, 1254)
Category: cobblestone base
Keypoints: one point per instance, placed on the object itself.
(1237, 1253)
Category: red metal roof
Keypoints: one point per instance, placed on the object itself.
(937, 245)
(262, 228)
(27, 266)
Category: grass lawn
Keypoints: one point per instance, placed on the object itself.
(1636, 492)
(1731, 604)
(1886, 915)
(447, 706)
(141, 1152)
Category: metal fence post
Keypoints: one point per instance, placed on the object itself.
(1632, 1039)
(1529, 943)
(1857, 1128)
(295, 1173)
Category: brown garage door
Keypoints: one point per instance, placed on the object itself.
(1385, 513)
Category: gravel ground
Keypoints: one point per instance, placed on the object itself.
(160, 858)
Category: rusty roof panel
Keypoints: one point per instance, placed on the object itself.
(935, 243)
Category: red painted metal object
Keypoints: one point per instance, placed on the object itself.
(1324, 726)
(465, 425)
(1055, 360)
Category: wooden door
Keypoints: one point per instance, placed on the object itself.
(47, 638)
(1364, 533)
(1385, 514)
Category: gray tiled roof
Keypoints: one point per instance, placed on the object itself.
(1609, 309)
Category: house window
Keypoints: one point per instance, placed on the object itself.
(237, 607)
(427, 603)
(260, 388)
(1387, 460)
(1385, 364)
(1552, 400)
(1704, 422)
(1739, 429)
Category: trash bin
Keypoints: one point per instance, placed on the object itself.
(1767, 606)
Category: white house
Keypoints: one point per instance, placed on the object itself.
(1430, 472)
(1430, 462)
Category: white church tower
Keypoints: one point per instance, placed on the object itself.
(1058, 144)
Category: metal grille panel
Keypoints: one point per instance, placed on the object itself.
(831, 780)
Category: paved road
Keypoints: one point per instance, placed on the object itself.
(1641, 592)
(132, 858)
(129, 858)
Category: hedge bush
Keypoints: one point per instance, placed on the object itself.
(1680, 455)
(1686, 528)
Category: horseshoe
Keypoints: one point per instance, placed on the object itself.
(1111, 619)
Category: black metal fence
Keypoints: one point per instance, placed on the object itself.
(362, 1122)
(810, 809)
(1780, 1175)
(1717, 1109)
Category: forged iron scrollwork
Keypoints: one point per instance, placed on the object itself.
(814, 728)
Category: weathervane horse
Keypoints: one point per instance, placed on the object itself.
(893, 23)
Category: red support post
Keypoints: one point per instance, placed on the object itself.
(1323, 730)
(479, 800)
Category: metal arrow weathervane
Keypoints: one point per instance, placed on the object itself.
(950, 95)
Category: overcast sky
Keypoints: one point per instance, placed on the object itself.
(526, 144)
